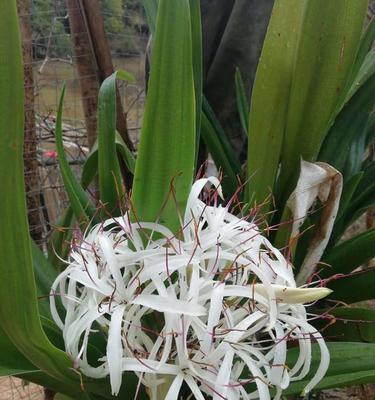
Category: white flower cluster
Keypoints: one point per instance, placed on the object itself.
(224, 299)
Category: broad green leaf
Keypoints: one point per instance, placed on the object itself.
(354, 288)
(80, 203)
(350, 254)
(270, 97)
(352, 325)
(334, 381)
(351, 364)
(327, 48)
(166, 153)
(45, 274)
(242, 103)
(110, 178)
(12, 362)
(19, 317)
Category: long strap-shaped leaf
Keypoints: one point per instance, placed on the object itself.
(349, 255)
(81, 205)
(167, 145)
(351, 363)
(270, 97)
(329, 40)
(110, 179)
(196, 37)
(19, 316)
(242, 102)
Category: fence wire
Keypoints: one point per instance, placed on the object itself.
(53, 62)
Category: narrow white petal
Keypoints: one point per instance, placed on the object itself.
(194, 388)
(323, 365)
(164, 304)
(115, 349)
(148, 366)
(259, 378)
(223, 377)
(174, 389)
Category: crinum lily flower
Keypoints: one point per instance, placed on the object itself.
(227, 297)
(101, 287)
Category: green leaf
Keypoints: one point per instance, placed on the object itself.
(124, 153)
(270, 97)
(362, 199)
(110, 178)
(327, 47)
(90, 168)
(166, 153)
(351, 364)
(354, 288)
(352, 325)
(217, 152)
(334, 381)
(242, 103)
(220, 148)
(196, 36)
(19, 317)
(349, 255)
(151, 10)
(346, 140)
(347, 193)
(45, 274)
(365, 46)
(12, 362)
(363, 74)
(60, 396)
(81, 205)
(365, 193)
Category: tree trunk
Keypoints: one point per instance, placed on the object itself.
(30, 141)
(94, 64)
(103, 58)
(85, 63)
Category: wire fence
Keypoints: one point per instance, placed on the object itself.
(50, 59)
(53, 54)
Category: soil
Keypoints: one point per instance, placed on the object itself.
(15, 389)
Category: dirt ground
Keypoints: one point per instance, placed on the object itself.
(14, 389)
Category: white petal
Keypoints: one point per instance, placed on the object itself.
(175, 387)
(112, 262)
(115, 349)
(259, 378)
(164, 304)
(223, 377)
(194, 388)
